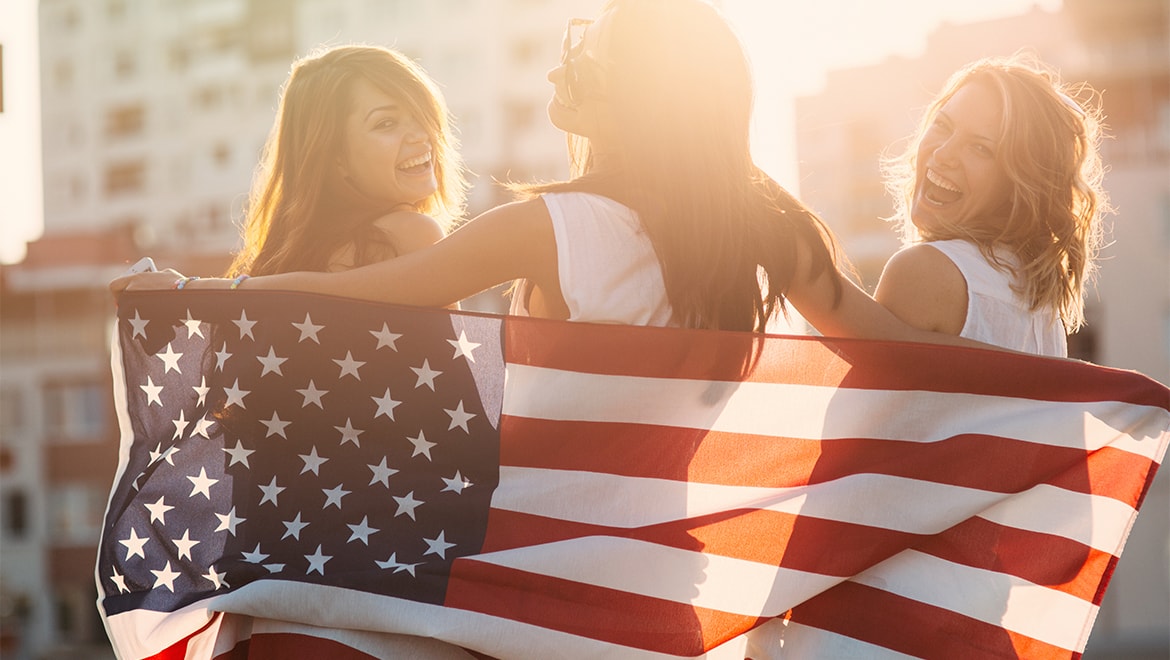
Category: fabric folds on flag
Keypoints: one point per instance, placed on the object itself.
(315, 473)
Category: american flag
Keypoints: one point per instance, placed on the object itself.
(329, 474)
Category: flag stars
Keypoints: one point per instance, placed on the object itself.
(118, 579)
(293, 527)
(221, 357)
(228, 521)
(235, 396)
(361, 531)
(421, 445)
(407, 505)
(275, 426)
(426, 375)
(203, 427)
(459, 417)
(308, 330)
(158, 510)
(245, 325)
(185, 544)
(180, 425)
(463, 347)
(134, 545)
(217, 579)
(170, 360)
(317, 561)
(438, 546)
(165, 577)
(239, 454)
(152, 392)
(349, 365)
(271, 363)
(334, 495)
(386, 405)
(254, 557)
(392, 562)
(382, 473)
(192, 326)
(455, 484)
(201, 483)
(138, 325)
(386, 338)
(271, 492)
(313, 462)
(201, 390)
(312, 395)
(349, 433)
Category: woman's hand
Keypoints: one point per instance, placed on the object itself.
(148, 281)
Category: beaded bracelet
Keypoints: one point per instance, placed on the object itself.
(238, 281)
(182, 282)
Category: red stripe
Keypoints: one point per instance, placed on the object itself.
(850, 363)
(608, 615)
(914, 628)
(279, 646)
(983, 462)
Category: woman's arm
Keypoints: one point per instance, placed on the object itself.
(924, 288)
(509, 242)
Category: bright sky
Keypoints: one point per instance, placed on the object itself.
(791, 42)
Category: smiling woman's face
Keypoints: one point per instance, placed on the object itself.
(959, 176)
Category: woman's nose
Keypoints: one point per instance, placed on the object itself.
(945, 151)
(417, 132)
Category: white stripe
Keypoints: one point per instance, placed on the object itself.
(141, 633)
(1048, 615)
(817, 412)
(889, 502)
(710, 581)
(779, 638)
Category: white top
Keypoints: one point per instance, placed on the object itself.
(607, 267)
(995, 313)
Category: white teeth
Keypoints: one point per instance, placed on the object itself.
(937, 180)
(415, 162)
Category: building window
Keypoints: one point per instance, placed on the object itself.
(125, 64)
(63, 74)
(221, 154)
(15, 505)
(11, 411)
(76, 410)
(124, 121)
(75, 513)
(125, 177)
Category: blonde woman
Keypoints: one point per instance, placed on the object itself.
(1000, 201)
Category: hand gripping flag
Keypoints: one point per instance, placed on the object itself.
(305, 475)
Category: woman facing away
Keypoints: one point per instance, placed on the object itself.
(1000, 200)
(666, 221)
(360, 166)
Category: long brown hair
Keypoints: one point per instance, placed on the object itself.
(678, 90)
(294, 219)
(1049, 150)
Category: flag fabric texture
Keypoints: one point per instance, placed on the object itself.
(303, 475)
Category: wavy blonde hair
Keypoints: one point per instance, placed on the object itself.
(1049, 150)
(294, 219)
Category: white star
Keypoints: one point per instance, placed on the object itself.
(426, 375)
(361, 531)
(409, 568)
(293, 527)
(235, 395)
(202, 389)
(312, 395)
(308, 330)
(217, 579)
(134, 545)
(156, 454)
(245, 325)
(382, 473)
(438, 546)
(349, 366)
(349, 433)
(152, 392)
(271, 363)
(192, 326)
(275, 426)
(163, 454)
(386, 338)
(202, 483)
(254, 557)
(165, 577)
(312, 461)
(421, 445)
(459, 417)
(169, 455)
(221, 357)
(386, 405)
(274, 568)
(202, 426)
(391, 562)
(117, 578)
(455, 484)
(139, 325)
(317, 561)
(158, 510)
(185, 544)
(271, 491)
(180, 425)
(170, 360)
(463, 347)
(228, 521)
(334, 495)
(407, 505)
(239, 454)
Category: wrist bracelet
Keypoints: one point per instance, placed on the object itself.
(238, 281)
(182, 282)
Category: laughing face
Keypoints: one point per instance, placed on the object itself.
(959, 178)
(387, 154)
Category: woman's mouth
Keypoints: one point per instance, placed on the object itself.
(417, 165)
(938, 190)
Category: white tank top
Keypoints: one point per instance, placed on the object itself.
(995, 313)
(607, 267)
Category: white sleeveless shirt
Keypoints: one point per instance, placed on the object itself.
(607, 267)
(995, 313)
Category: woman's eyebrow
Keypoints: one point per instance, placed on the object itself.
(389, 108)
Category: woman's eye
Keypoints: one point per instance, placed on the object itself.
(385, 124)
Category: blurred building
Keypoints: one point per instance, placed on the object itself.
(1123, 50)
